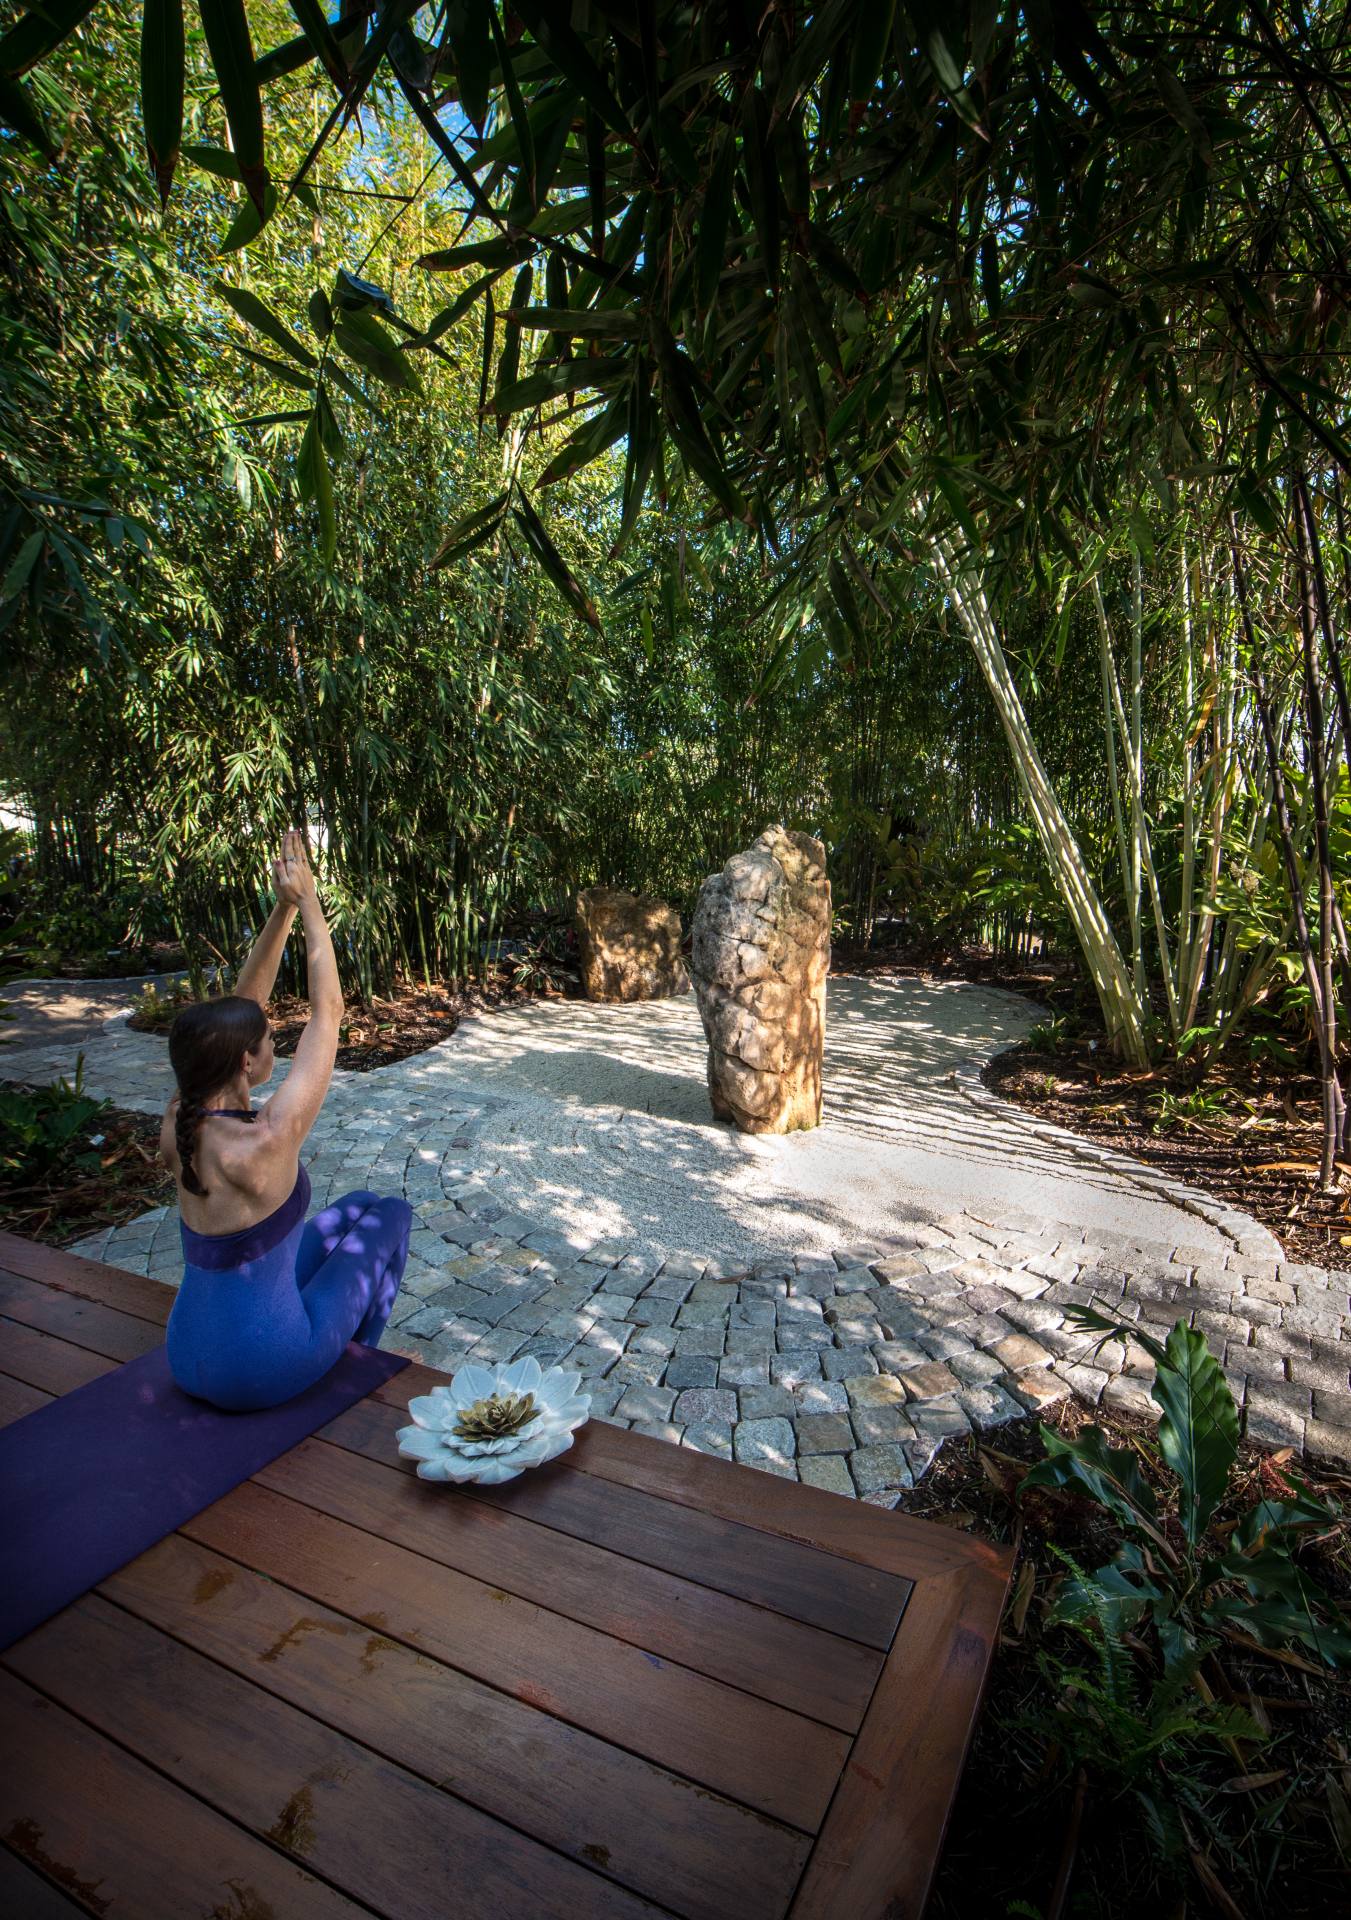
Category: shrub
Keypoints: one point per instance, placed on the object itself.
(42, 1130)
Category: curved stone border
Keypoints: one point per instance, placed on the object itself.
(1248, 1234)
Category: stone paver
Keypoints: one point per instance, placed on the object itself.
(848, 1368)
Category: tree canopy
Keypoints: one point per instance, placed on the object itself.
(1022, 325)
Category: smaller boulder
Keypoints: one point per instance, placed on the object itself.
(629, 945)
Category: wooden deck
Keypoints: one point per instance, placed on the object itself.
(638, 1681)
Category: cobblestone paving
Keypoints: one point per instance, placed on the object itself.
(844, 1368)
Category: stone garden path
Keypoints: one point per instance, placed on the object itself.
(828, 1305)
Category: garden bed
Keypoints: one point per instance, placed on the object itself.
(1248, 1132)
(109, 1173)
(374, 1033)
(121, 963)
(1268, 1828)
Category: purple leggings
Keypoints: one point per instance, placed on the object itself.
(350, 1261)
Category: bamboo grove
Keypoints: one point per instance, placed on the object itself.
(541, 442)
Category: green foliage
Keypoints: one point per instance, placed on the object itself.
(1196, 1108)
(1139, 1734)
(1141, 1710)
(156, 1011)
(1174, 1568)
(543, 967)
(1050, 1035)
(44, 1131)
(779, 316)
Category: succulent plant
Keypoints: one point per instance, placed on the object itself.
(496, 1417)
(491, 1423)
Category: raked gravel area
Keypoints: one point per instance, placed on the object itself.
(829, 1305)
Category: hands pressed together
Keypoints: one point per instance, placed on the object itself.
(291, 873)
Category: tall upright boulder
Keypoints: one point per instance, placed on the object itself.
(629, 946)
(760, 958)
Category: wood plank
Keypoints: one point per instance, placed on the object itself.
(388, 1838)
(17, 1399)
(879, 1847)
(851, 1529)
(874, 1536)
(803, 1668)
(45, 1361)
(799, 1582)
(24, 1895)
(129, 1844)
(568, 1788)
(90, 1279)
(750, 1750)
(81, 1322)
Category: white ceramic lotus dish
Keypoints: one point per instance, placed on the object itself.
(443, 1453)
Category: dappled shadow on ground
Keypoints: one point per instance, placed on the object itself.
(601, 1122)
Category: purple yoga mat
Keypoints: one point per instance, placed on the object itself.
(104, 1472)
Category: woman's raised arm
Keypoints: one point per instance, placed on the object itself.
(258, 975)
(294, 1108)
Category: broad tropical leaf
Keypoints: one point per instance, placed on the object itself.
(1198, 1434)
(1111, 1475)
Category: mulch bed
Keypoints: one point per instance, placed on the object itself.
(71, 1202)
(1007, 1842)
(1249, 1133)
(377, 1033)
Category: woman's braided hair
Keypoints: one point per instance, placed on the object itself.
(207, 1042)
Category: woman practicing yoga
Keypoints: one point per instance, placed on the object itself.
(268, 1303)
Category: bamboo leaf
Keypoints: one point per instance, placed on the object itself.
(256, 314)
(290, 57)
(555, 34)
(587, 444)
(547, 383)
(279, 369)
(470, 35)
(313, 23)
(520, 119)
(362, 339)
(33, 36)
(162, 53)
(321, 314)
(247, 225)
(21, 567)
(21, 115)
(870, 37)
(622, 323)
(471, 531)
(338, 374)
(316, 484)
(500, 253)
(511, 345)
(226, 26)
(216, 160)
(711, 241)
(553, 562)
